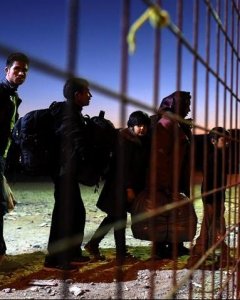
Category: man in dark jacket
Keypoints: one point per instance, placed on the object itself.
(16, 71)
(69, 215)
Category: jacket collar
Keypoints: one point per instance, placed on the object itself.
(11, 87)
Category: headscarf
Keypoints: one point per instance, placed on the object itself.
(171, 102)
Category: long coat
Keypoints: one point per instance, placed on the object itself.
(172, 157)
(128, 169)
(215, 175)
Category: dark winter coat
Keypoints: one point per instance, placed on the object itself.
(71, 137)
(7, 108)
(173, 157)
(215, 174)
(6, 113)
(129, 166)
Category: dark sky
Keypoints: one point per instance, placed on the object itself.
(40, 29)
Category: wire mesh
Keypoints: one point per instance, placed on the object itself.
(214, 53)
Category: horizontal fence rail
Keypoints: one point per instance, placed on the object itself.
(204, 39)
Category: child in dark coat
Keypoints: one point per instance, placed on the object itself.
(125, 179)
(213, 189)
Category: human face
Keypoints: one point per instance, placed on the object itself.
(140, 130)
(221, 142)
(83, 98)
(17, 72)
(184, 108)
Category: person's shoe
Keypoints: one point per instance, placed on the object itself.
(163, 251)
(94, 251)
(126, 258)
(166, 251)
(66, 267)
(182, 250)
(80, 259)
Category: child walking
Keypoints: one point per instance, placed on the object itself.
(125, 179)
(213, 189)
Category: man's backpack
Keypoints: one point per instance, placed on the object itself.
(101, 135)
(34, 134)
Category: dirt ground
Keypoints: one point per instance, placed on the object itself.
(22, 275)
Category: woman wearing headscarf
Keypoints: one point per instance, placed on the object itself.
(172, 134)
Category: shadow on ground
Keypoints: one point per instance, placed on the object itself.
(17, 271)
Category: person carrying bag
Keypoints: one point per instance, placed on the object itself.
(166, 220)
(169, 179)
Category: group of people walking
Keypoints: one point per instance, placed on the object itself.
(166, 136)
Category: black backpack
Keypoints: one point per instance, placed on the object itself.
(34, 134)
(101, 135)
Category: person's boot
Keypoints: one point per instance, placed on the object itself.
(125, 258)
(93, 250)
(161, 251)
(53, 263)
(182, 250)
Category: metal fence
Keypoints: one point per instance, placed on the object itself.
(206, 33)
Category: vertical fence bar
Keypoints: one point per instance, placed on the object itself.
(153, 189)
(73, 30)
(124, 59)
(194, 112)
(237, 157)
(123, 91)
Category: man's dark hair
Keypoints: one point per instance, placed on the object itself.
(73, 85)
(17, 56)
(138, 118)
(216, 132)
